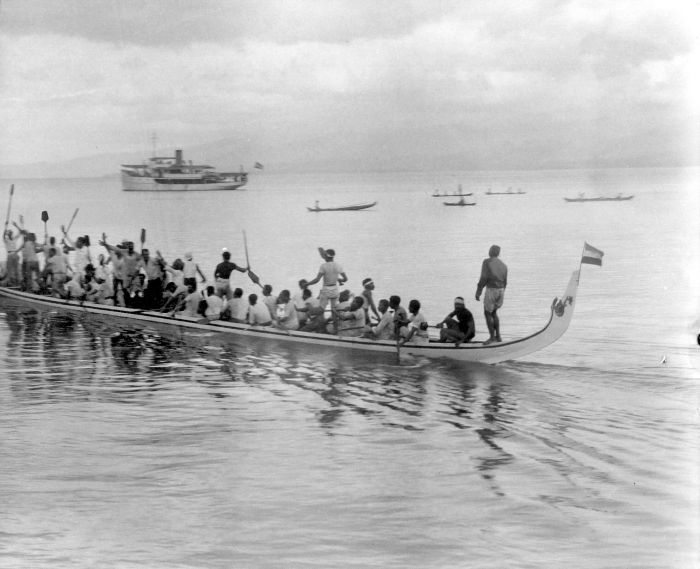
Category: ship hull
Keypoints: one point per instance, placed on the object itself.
(148, 184)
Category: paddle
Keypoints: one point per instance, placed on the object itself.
(45, 218)
(143, 236)
(322, 252)
(72, 219)
(9, 206)
(86, 240)
(251, 274)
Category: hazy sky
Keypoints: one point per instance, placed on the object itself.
(492, 83)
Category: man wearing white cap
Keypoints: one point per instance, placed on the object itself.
(458, 324)
(368, 285)
(190, 270)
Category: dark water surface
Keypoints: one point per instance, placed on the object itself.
(190, 450)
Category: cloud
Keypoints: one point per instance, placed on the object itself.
(403, 78)
(180, 22)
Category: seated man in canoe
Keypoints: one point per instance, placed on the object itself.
(458, 326)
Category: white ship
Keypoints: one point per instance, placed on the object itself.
(172, 173)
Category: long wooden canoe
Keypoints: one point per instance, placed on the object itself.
(459, 203)
(561, 312)
(344, 208)
(600, 199)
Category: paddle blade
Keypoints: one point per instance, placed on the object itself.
(86, 238)
(322, 252)
(253, 277)
(44, 216)
(143, 236)
(12, 190)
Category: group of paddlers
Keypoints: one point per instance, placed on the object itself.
(125, 277)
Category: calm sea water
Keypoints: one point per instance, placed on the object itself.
(189, 451)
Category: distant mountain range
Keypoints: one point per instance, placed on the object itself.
(351, 152)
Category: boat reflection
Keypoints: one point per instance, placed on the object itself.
(49, 356)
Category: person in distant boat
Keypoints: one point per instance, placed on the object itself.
(417, 329)
(190, 269)
(384, 330)
(333, 275)
(368, 285)
(286, 313)
(258, 314)
(494, 278)
(222, 275)
(458, 326)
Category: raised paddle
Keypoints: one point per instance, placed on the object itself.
(9, 206)
(143, 236)
(251, 274)
(45, 218)
(64, 229)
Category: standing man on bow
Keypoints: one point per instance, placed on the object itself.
(494, 278)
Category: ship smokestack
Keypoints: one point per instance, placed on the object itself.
(178, 157)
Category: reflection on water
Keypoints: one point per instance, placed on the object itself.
(149, 440)
(51, 356)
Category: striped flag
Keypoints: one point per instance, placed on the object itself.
(258, 166)
(591, 255)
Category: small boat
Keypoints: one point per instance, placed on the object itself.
(458, 194)
(145, 321)
(617, 198)
(343, 208)
(510, 192)
(172, 173)
(459, 203)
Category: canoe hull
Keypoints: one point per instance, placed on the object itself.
(560, 317)
(345, 208)
(621, 199)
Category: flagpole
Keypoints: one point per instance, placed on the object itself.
(580, 263)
